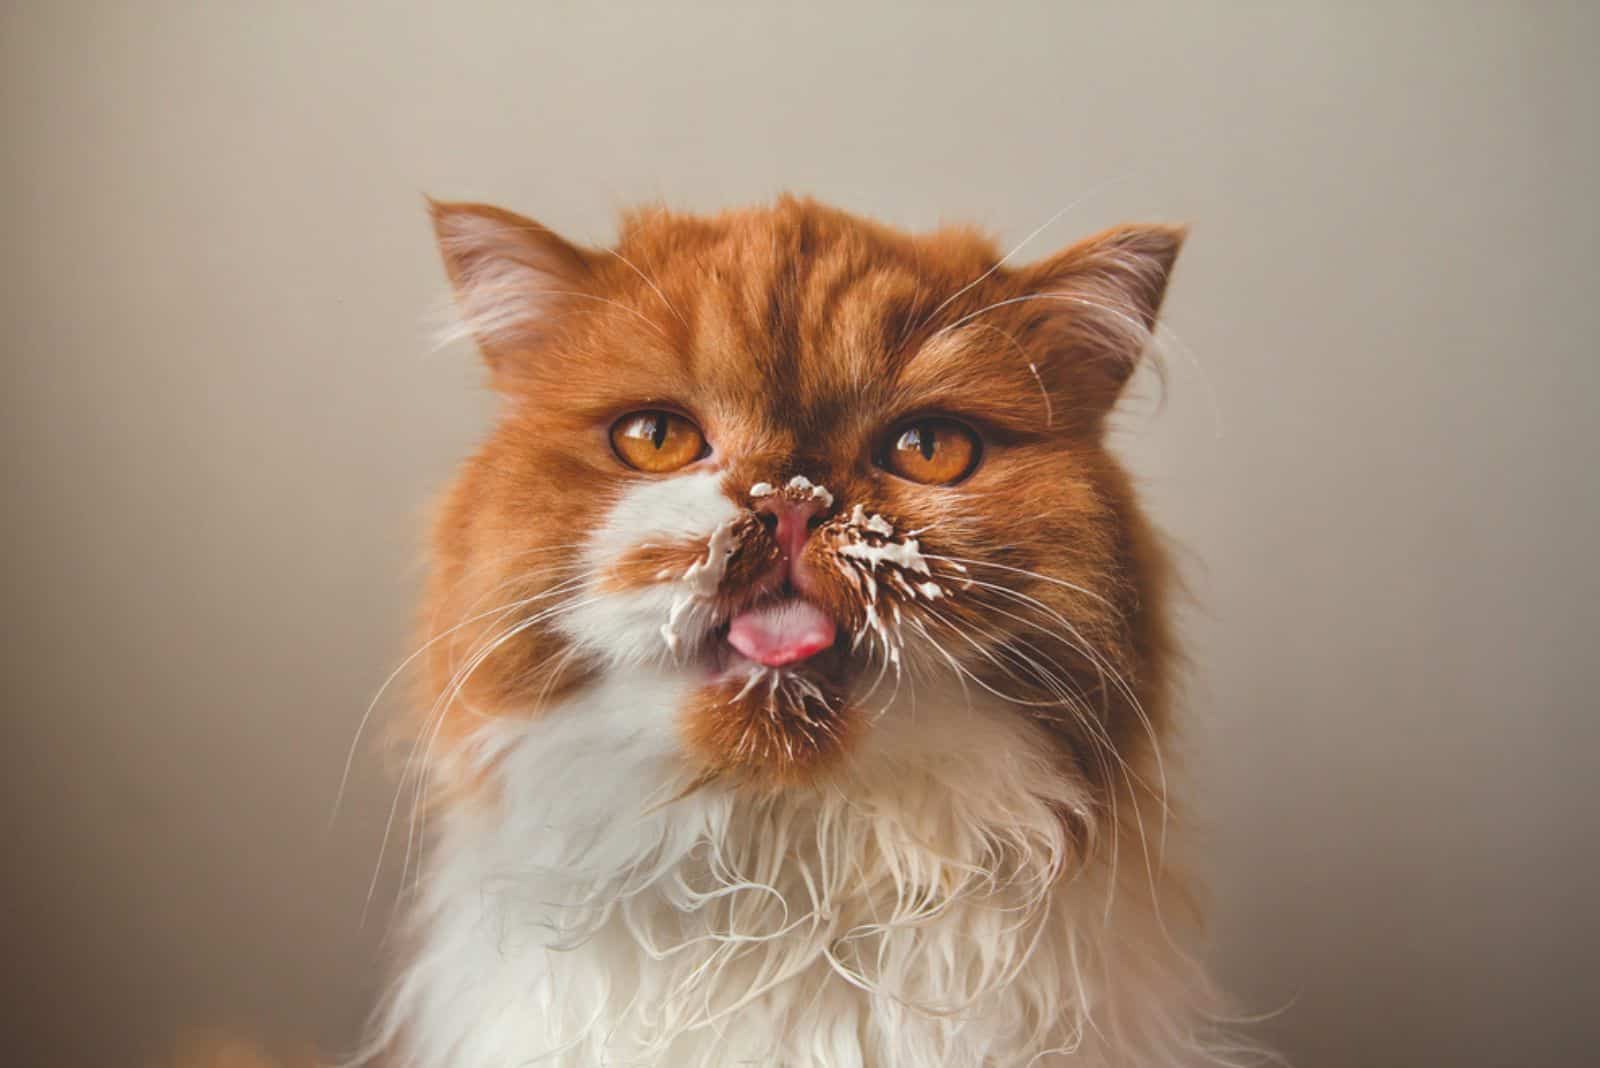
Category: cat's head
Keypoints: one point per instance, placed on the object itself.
(787, 464)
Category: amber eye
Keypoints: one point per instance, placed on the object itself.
(657, 441)
(933, 451)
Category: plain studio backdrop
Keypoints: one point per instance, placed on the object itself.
(224, 422)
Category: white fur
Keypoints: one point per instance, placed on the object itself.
(626, 628)
(926, 905)
(922, 909)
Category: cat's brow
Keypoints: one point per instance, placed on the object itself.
(943, 358)
(979, 371)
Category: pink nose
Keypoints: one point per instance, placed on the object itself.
(790, 523)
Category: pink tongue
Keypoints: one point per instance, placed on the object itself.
(781, 632)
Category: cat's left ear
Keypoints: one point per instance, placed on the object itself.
(509, 275)
(1099, 300)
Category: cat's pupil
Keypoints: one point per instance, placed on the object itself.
(658, 429)
(924, 441)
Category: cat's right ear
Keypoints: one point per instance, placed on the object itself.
(509, 274)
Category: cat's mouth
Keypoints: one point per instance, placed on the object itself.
(780, 633)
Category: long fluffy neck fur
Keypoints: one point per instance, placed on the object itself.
(946, 900)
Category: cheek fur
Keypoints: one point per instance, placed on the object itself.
(652, 527)
(660, 510)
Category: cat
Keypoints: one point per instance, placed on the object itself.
(798, 661)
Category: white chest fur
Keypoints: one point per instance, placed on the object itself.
(927, 908)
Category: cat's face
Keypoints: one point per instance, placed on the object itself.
(787, 463)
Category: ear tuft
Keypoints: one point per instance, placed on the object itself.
(508, 272)
(1104, 295)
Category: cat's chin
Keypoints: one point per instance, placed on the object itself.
(773, 725)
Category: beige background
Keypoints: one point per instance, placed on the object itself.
(223, 422)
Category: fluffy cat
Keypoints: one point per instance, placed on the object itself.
(798, 662)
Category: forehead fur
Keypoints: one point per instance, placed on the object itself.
(795, 229)
(818, 305)
(797, 319)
